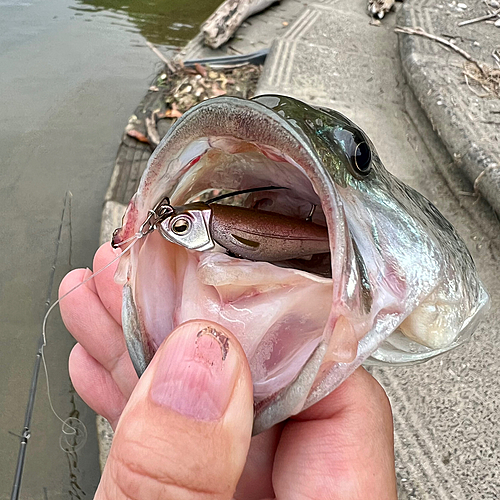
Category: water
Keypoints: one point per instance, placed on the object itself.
(170, 23)
(71, 73)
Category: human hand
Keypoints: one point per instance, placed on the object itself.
(183, 431)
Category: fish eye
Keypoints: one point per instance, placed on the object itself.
(361, 160)
(181, 226)
(356, 149)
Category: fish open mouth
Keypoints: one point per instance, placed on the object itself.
(280, 311)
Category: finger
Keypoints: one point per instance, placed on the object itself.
(256, 481)
(95, 385)
(186, 429)
(109, 292)
(340, 448)
(93, 327)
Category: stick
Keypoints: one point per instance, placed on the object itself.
(481, 18)
(223, 23)
(420, 32)
(472, 89)
(153, 135)
(489, 168)
(496, 55)
(161, 56)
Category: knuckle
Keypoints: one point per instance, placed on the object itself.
(145, 469)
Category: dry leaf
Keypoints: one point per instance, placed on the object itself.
(200, 69)
(137, 135)
(174, 112)
(216, 91)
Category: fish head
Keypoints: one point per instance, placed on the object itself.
(397, 286)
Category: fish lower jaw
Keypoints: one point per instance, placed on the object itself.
(261, 304)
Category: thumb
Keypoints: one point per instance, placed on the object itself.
(186, 429)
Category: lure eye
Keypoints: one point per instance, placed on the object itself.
(181, 226)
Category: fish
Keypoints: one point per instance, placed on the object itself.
(396, 284)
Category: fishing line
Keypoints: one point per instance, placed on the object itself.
(243, 191)
(80, 428)
(72, 426)
(26, 432)
(136, 237)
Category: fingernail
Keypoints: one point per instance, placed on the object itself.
(196, 372)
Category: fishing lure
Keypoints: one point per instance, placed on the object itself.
(248, 233)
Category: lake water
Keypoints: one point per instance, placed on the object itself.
(71, 73)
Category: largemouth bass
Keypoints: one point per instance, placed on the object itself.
(394, 283)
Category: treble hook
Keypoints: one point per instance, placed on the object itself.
(157, 215)
(160, 212)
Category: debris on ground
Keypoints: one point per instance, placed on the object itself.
(178, 88)
(483, 76)
(224, 22)
(379, 8)
(187, 87)
(486, 17)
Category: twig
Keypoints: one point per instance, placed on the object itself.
(490, 77)
(481, 18)
(496, 55)
(182, 82)
(420, 32)
(487, 5)
(472, 89)
(489, 168)
(152, 131)
(161, 56)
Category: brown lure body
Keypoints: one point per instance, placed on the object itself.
(266, 236)
(248, 233)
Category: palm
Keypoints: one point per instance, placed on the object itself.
(339, 448)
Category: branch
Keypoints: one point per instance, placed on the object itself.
(161, 56)
(420, 32)
(222, 24)
(481, 18)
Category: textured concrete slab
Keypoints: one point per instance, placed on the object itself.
(131, 161)
(469, 125)
(256, 33)
(112, 214)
